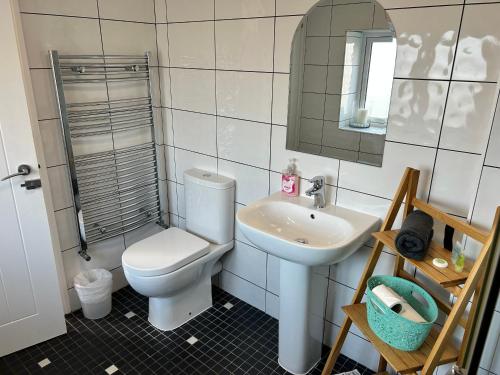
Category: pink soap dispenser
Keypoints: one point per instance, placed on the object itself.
(290, 180)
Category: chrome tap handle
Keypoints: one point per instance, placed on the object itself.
(318, 181)
(22, 170)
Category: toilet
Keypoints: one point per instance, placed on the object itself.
(174, 268)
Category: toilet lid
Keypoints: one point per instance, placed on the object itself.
(164, 252)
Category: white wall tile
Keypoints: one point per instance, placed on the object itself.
(426, 40)
(478, 51)
(172, 197)
(162, 42)
(244, 141)
(354, 347)
(273, 274)
(285, 30)
(247, 262)
(160, 11)
(493, 154)
(45, 94)
(168, 127)
(363, 202)
(416, 111)
(244, 290)
(53, 142)
(193, 10)
(60, 187)
(165, 87)
(61, 7)
(193, 90)
(185, 160)
(287, 7)
(487, 198)
(245, 44)
(195, 132)
(238, 234)
(67, 228)
(65, 34)
(308, 166)
(244, 95)
(129, 10)
(181, 201)
(251, 183)
(192, 45)
(350, 270)
(106, 254)
(243, 8)
(467, 121)
(272, 305)
(280, 98)
(163, 192)
(383, 181)
(170, 163)
(452, 191)
(338, 295)
(129, 38)
(388, 4)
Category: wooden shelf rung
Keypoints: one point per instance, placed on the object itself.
(401, 361)
(446, 277)
(461, 226)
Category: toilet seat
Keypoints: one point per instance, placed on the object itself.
(164, 252)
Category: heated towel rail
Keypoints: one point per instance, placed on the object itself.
(110, 142)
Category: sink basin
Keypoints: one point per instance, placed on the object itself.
(290, 228)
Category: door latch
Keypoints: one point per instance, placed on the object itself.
(32, 184)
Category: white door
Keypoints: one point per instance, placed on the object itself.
(31, 308)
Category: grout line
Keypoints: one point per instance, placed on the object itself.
(111, 125)
(452, 68)
(272, 105)
(215, 92)
(171, 117)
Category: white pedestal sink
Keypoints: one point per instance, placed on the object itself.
(303, 237)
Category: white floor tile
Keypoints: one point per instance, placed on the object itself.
(111, 369)
(192, 340)
(44, 362)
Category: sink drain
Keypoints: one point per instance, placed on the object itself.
(301, 240)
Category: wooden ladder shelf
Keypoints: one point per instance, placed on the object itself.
(438, 348)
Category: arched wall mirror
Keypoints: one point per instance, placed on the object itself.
(341, 72)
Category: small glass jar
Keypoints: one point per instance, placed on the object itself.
(458, 256)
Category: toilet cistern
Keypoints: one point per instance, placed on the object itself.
(317, 191)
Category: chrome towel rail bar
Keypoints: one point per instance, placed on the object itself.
(116, 189)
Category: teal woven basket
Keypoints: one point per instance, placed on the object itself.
(390, 327)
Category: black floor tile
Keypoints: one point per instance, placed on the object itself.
(241, 340)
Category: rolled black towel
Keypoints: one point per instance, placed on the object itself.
(415, 235)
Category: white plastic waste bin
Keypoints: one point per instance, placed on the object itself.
(94, 291)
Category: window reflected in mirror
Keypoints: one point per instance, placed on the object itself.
(341, 74)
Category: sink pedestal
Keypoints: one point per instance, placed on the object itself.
(302, 301)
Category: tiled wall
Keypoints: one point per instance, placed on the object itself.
(223, 74)
(85, 27)
(224, 68)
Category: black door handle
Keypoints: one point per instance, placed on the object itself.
(32, 184)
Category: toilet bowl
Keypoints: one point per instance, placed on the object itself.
(174, 267)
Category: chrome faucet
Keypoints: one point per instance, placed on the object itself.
(317, 191)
